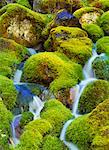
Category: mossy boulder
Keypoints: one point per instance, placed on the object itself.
(52, 6)
(5, 121)
(88, 15)
(33, 134)
(25, 119)
(94, 93)
(8, 92)
(101, 67)
(53, 143)
(52, 70)
(104, 22)
(91, 131)
(57, 114)
(103, 45)
(94, 31)
(11, 54)
(24, 3)
(21, 24)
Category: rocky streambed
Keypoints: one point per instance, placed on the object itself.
(54, 75)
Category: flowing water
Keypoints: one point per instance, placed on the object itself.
(31, 51)
(17, 76)
(89, 77)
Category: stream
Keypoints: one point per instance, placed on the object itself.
(79, 88)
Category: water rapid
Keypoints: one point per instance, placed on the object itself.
(78, 90)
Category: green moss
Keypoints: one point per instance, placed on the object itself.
(104, 21)
(31, 24)
(24, 3)
(57, 114)
(63, 33)
(5, 131)
(26, 118)
(77, 50)
(94, 31)
(7, 92)
(40, 125)
(53, 143)
(30, 140)
(94, 93)
(103, 45)
(101, 67)
(91, 131)
(51, 70)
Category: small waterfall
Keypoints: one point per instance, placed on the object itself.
(78, 89)
(31, 51)
(36, 106)
(14, 124)
(17, 76)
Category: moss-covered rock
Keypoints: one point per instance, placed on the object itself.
(103, 45)
(104, 21)
(25, 119)
(52, 70)
(94, 31)
(91, 131)
(94, 93)
(101, 67)
(88, 15)
(57, 114)
(8, 92)
(52, 6)
(11, 54)
(24, 3)
(53, 143)
(21, 24)
(5, 121)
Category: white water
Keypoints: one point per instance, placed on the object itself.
(31, 51)
(17, 76)
(89, 77)
(36, 106)
(14, 137)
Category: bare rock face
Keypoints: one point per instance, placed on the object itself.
(21, 24)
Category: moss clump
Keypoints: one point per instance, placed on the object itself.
(52, 6)
(26, 118)
(21, 24)
(94, 31)
(94, 93)
(5, 131)
(103, 45)
(89, 15)
(77, 50)
(40, 125)
(7, 92)
(57, 114)
(24, 3)
(62, 33)
(52, 70)
(104, 21)
(91, 131)
(53, 143)
(101, 67)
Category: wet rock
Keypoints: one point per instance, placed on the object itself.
(52, 70)
(7, 92)
(21, 24)
(103, 45)
(5, 120)
(101, 67)
(91, 131)
(88, 15)
(94, 93)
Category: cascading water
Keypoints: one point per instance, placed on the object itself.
(17, 76)
(89, 77)
(36, 106)
(31, 51)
